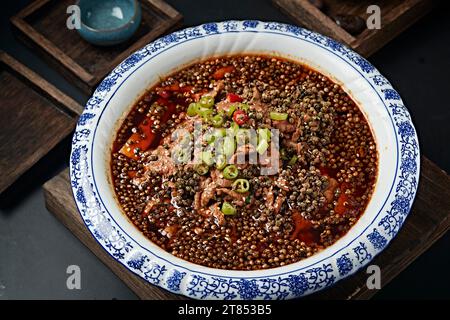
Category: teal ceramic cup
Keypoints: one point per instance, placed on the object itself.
(108, 22)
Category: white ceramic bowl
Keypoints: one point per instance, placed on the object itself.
(390, 204)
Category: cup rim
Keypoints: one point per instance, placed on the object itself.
(136, 7)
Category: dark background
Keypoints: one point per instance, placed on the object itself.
(35, 249)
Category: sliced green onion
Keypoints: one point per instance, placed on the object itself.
(206, 102)
(213, 134)
(221, 161)
(207, 158)
(264, 134)
(220, 132)
(241, 185)
(209, 137)
(242, 135)
(228, 146)
(228, 209)
(293, 160)
(201, 169)
(231, 110)
(279, 116)
(233, 129)
(193, 109)
(230, 172)
(217, 120)
(244, 106)
(205, 113)
(262, 146)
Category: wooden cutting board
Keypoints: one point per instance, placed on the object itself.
(42, 26)
(427, 222)
(395, 17)
(35, 117)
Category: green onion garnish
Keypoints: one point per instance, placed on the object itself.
(230, 172)
(193, 109)
(206, 102)
(221, 161)
(262, 146)
(241, 185)
(207, 158)
(278, 116)
(293, 160)
(228, 146)
(217, 120)
(228, 209)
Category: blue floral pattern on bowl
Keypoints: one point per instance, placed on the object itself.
(202, 285)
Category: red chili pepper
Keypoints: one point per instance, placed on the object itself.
(164, 94)
(220, 73)
(175, 87)
(302, 229)
(342, 204)
(231, 97)
(240, 117)
(146, 137)
(139, 141)
(186, 89)
(132, 173)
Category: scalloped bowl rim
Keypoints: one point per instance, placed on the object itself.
(391, 124)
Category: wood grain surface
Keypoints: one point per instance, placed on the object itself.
(427, 222)
(396, 16)
(42, 25)
(35, 117)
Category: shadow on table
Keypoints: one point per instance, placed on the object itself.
(43, 170)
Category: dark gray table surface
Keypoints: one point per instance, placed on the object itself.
(35, 249)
